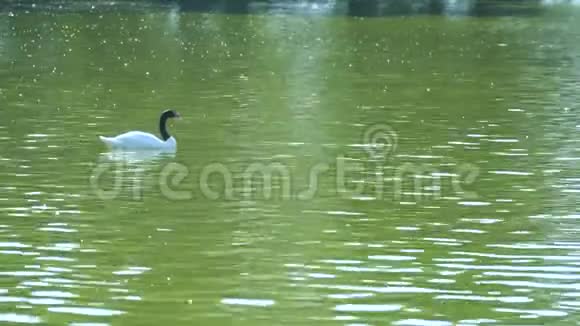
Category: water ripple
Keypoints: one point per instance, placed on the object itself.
(86, 311)
(19, 318)
(422, 322)
(368, 307)
(248, 302)
(386, 289)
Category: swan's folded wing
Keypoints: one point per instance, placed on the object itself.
(136, 140)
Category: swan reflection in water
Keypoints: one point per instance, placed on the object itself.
(124, 175)
(137, 157)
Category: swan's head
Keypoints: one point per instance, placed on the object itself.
(167, 114)
(170, 114)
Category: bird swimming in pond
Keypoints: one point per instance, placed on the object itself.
(139, 140)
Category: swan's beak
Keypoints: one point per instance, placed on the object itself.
(177, 116)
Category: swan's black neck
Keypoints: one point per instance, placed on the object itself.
(162, 126)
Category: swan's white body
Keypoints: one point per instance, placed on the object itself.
(138, 140)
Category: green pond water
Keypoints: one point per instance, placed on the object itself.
(418, 170)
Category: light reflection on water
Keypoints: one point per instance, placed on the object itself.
(298, 91)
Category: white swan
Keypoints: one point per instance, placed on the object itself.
(135, 140)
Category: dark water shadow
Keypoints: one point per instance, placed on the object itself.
(354, 8)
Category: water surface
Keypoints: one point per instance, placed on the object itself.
(460, 208)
